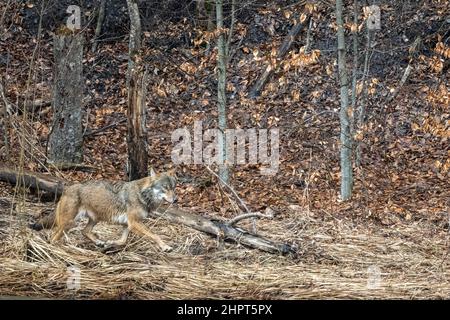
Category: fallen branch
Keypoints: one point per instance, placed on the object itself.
(271, 67)
(32, 180)
(230, 188)
(111, 125)
(412, 51)
(223, 230)
(402, 82)
(74, 166)
(34, 105)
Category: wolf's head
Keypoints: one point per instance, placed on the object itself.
(161, 187)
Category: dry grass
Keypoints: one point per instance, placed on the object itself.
(338, 259)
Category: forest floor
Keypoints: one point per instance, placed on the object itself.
(390, 241)
(338, 259)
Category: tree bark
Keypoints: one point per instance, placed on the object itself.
(346, 139)
(135, 34)
(355, 66)
(136, 122)
(137, 110)
(362, 105)
(221, 92)
(65, 143)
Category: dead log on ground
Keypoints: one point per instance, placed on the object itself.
(74, 166)
(32, 180)
(35, 105)
(222, 230)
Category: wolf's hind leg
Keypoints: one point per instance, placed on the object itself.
(66, 210)
(60, 230)
(57, 235)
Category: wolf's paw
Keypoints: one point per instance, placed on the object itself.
(108, 243)
(166, 248)
(100, 243)
(112, 244)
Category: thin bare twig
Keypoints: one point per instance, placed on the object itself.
(230, 188)
(97, 131)
(230, 32)
(240, 217)
(236, 195)
(412, 50)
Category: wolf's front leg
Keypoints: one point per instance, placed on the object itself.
(87, 232)
(121, 241)
(140, 228)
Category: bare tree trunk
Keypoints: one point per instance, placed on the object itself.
(355, 66)
(137, 128)
(346, 140)
(200, 12)
(210, 8)
(308, 36)
(4, 119)
(135, 33)
(98, 28)
(65, 144)
(221, 92)
(362, 105)
(137, 109)
(205, 14)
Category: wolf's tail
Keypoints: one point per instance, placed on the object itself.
(45, 222)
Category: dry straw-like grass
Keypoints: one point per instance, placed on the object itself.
(337, 259)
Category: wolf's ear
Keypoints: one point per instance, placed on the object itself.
(151, 172)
